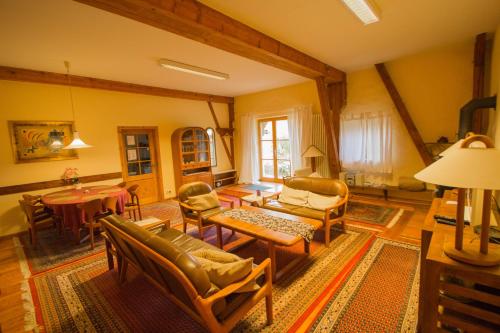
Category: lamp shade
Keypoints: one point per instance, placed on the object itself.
(312, 151)
(458, 144)
(77, 143)
(477, 168)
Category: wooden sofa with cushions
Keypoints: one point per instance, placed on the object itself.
(165, 259)
(320, 186)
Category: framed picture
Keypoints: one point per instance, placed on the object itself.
(37, 141)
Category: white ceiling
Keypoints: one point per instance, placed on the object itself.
(41, 34)
(328, 31)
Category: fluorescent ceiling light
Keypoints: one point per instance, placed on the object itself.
(365, 10)
(179, 66)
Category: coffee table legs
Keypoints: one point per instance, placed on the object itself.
(272, 255)
(219, 236)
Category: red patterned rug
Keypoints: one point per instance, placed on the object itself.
(84, 295)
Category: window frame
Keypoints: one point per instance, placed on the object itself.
(275, 159)
(214, 157)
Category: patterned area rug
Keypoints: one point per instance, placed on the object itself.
(168, 209)
(84, 295)
(380, 216)
(380, 294)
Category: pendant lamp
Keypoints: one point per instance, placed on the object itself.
(77, 143)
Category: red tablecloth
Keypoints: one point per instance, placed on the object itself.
(64, 202)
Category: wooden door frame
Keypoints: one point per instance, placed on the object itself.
(156, 141)
(275, 154)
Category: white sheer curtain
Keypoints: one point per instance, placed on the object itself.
(366, 142)
(300, 133)
(249, 171)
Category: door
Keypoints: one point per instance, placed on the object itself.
(274, 149)
(140, 161)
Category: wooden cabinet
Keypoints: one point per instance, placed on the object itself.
(224, 178)
(191, 156)
(455, 296)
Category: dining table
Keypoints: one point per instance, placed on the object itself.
(64, 203)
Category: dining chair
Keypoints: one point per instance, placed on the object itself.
(122, 184)
(35, 216)
(109, 204)
(134, 204)
(92, 211)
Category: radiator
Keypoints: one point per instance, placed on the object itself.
(319, 140)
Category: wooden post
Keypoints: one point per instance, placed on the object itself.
(480, 117)
(217, 127)
(337, 98)
(230, 109)
(332, 147)
(403, 112)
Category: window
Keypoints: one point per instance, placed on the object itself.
(211, 140)
(274, 149)
(365, 142)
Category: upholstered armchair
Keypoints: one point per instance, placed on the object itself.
(193, 198)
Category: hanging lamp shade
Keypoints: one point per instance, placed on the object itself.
(77, 143)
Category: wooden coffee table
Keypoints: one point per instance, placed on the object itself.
(273, 238)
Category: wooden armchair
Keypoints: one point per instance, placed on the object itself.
(195, 216)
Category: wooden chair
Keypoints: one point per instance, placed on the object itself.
(93, 211)
(134, 204)
(195, 216)
(122, 184)
(109, 204)
(34, 216)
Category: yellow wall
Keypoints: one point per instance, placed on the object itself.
(434, 85)
(98, 114)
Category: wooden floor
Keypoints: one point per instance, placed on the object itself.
(11, 305)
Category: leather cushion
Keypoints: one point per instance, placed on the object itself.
(184, 261)
(185, 242)
(280, 206)
(325, 186)
(192, 189)
(204, 201)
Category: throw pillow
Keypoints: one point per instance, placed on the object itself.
(224, 274)
(315, 175)
(293, 197)
(204, 201)
(321, 202)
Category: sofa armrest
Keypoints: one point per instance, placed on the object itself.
(231, 202)
(274, 196)
(185, 205)
(339, 204)
(235, 286)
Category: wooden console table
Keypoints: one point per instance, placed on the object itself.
(453, 294)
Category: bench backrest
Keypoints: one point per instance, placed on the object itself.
(323, 186)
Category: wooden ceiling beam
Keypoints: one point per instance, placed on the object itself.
(194, 20)
(403, 112)
(28, 75)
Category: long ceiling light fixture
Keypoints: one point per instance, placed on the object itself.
(77, 143)
(179, 66)
(365, 10)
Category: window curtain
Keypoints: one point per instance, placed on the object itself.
(366, 142)
(249, 171)
(300, 134)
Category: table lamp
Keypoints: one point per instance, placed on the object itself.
(312, 151)
(469, 166)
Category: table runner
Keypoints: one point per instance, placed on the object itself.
(291, 227)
